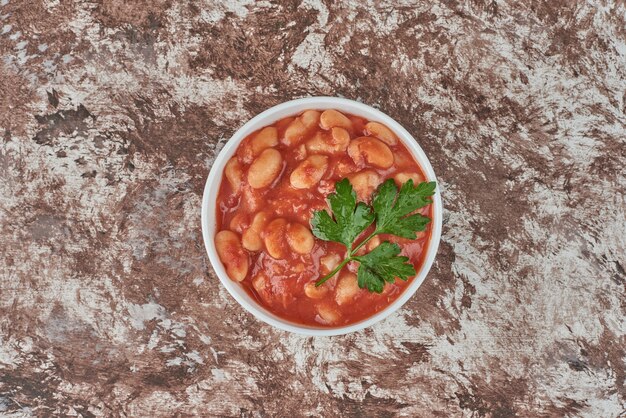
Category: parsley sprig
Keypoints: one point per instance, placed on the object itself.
(392, 211)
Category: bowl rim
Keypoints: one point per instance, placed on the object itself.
(271, 115)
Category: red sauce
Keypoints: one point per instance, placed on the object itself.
(283, 283)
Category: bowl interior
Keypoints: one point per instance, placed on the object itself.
(268, 117)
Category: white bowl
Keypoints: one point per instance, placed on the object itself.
(266, 118)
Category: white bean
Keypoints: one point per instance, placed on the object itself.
(381, 132)
(313, 292)
(347, 288)
(334, 142)
(259, 282)
(310, 118)
(251, 238)
(364, 183)
(251, 148)
(259, 221)
(309, 172)
(251, 199)
(266, 138)
(341, 138)
(265, 168)
(344, 168)
(238, 222)
(370, 150)
(300, 238)
(331, 118)
(403, 177)
(319, 144)
(327, 314)
(371, 244)
(232, 254)
(328, 263)
(274, 238)
(300, 153)
(234, 174)
(294, 132)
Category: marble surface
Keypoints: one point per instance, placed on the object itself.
(112, 112)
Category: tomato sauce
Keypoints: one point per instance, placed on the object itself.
(271, 251)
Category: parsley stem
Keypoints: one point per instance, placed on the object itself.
(332, 273)
(346, 261)
(372, 235)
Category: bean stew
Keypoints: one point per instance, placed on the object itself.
(278, 177)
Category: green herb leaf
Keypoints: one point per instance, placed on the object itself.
(383, 264)
(392, 209)
(350, 218)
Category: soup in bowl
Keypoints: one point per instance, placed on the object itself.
(321, 216)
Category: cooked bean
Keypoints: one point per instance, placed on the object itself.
(251, 199)
(347, 288)
(266, 138)
(300, 152)
(319, 144)
(239, 222)
(341, 138)
(265, 168)
(310, 118)
(294, 132)
(381, 132)
(232, 254)
(331, 118)
(299, 127)
(234, 174)
(345, 168)
(259, 221)
(327, 314)
(328, 263)
(370, 150)
(314, 292)
(309, 172)
(259, 282)
(274, 238)
(403, 177)
(364, 183)
(371, 244)
(251, 238)
(300, 238)
(334, 142)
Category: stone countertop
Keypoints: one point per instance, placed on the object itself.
(112, 113)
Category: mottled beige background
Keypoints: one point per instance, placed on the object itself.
(111, 115)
